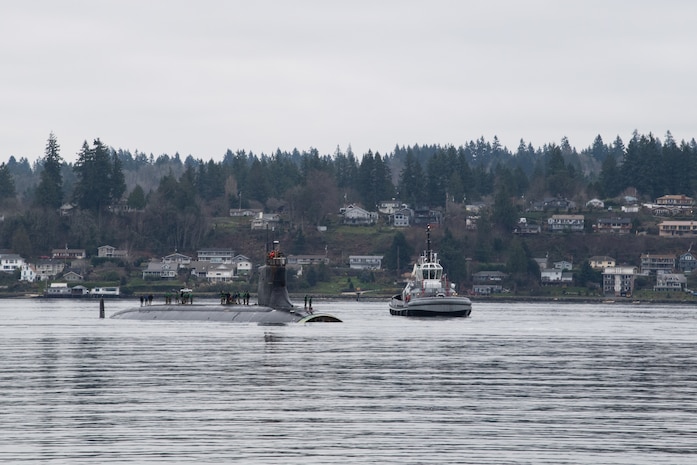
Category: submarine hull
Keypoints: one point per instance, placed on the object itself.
(225, 313)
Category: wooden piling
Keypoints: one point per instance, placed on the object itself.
(101, 308)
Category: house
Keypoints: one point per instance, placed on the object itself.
(365, 262)
(677, 228)
(158, 269)
(9, 262)
(389, 207)
(600, 262)
(560, 223)
(542, 263)
(357, 216)
(213, 272)
(630, 208)
(402, 218)
(295, 260)
(675, 200)
(48, 268)
(108, 251)
(68, 254)
(595, 203)
(176, 258)
(28, 273)
(562, 265)
(243, 265)
(72, 276)
(485, 277)
(220, 272)
(670, 282)
(66, 209)
(213, 255)
(242, 212)
(556, 276)
(487, 289)
(58, 290)
(619, 281)
(657, 263)
(424, 215)
(268, 221)
(552, 204)
(524, 227)
(613, 225)
(687, 262)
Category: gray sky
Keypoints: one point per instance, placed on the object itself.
(200, 77)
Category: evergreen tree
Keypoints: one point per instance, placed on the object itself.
(136, 199)
(398, 256)
(117, 180)
(49, 192)
(7, 184)
(93, 168)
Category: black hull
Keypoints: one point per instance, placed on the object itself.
(224, 313)
(415, 312)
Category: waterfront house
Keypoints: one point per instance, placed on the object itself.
(618, 281)
(9, 262)
(402, 218)
(657, 263)
(670, 282)
(687, 262)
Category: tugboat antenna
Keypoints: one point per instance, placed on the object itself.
(428, 242)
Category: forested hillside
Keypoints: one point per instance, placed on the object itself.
(153, 205)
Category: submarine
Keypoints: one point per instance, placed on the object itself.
(273, 306)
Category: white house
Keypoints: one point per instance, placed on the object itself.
(358, 216)
(9, 262)
(266, 221)
(619, 280)
(402, 217)
(108, 251)
(559, 223)
(215, 255)
(177, 258)
(28, 273)
(243, 265)
(556, 276)
(365, 262)
(388, 207)
(220, 273)
(670, 282)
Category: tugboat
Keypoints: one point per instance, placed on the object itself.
(273, 303)
(428, 293)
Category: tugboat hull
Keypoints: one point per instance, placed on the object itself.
(431, 307)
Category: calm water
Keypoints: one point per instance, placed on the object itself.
(516, 383)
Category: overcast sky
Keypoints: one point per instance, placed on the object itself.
(200, 77)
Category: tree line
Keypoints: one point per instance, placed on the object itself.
(176, 200)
